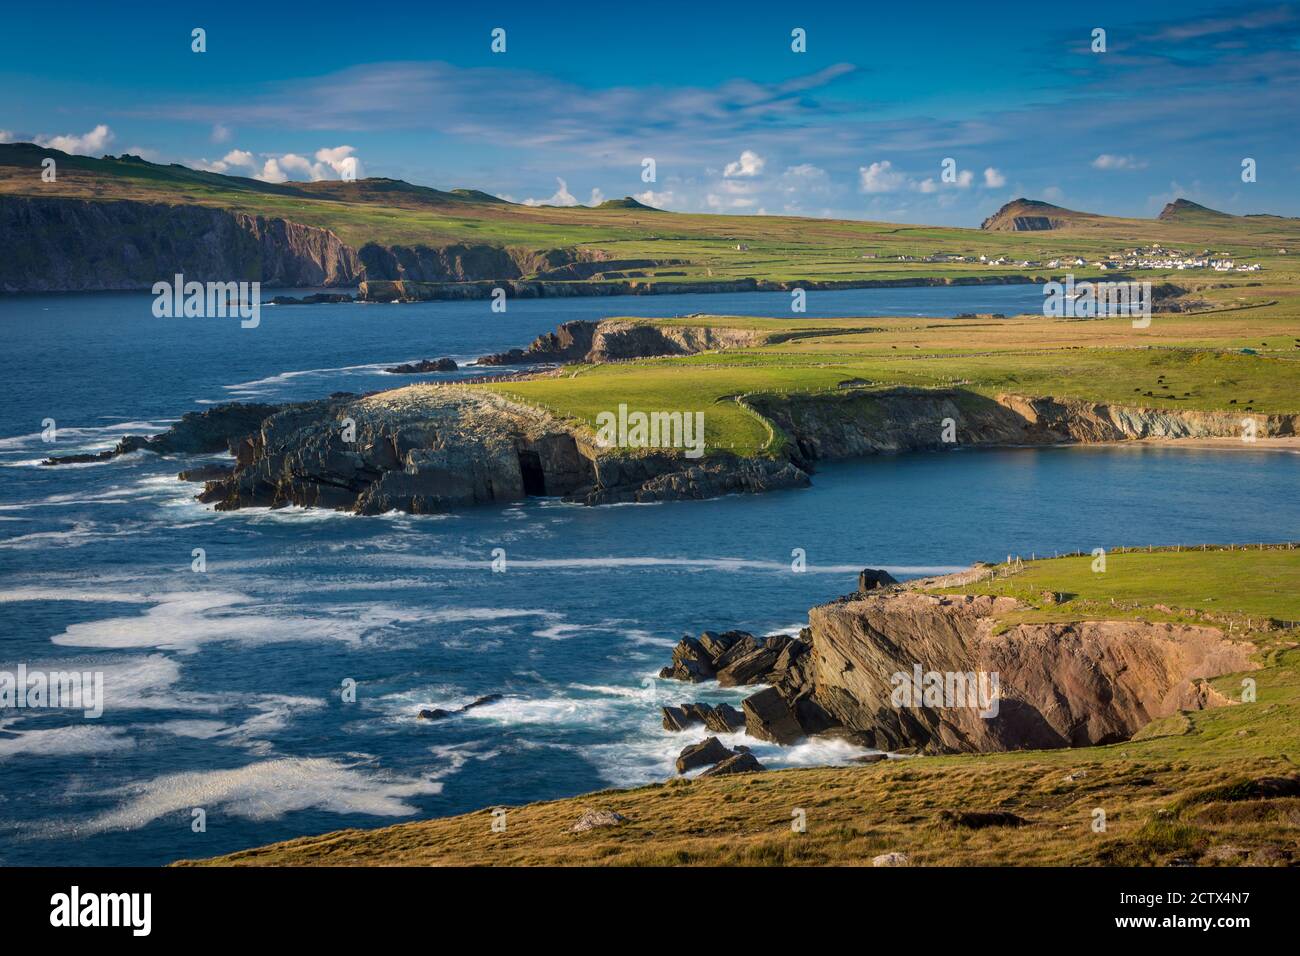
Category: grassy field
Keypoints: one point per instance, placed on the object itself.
(1191, 788)
(1181, 362)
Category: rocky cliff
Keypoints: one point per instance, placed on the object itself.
(467, 263)
(897, 668)
(864, 421)
(427, 449)
(1058, 685)
(62, 245)
(621, 283)
(614, 340)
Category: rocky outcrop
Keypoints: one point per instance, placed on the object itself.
(1029, 686)
(718, 758)
(616, 340)
(721, 719)
(782, 712)
(440, 713)
(419, 449)
(896, 669)
(85, 245)
(459, 262)
(742, 762)
(1031, 215)
(425, 449)
(864, 421)
(424, 365)
(219, 428)
(709, 751)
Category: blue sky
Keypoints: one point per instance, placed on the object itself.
(858, 126)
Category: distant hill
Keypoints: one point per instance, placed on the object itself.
(627, 202)
(1183, 210)
(1032, 215)
(156, 176)
(477, 195)
(394, 192)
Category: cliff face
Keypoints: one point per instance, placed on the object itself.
(612, 340)
(462, 263)
(1059, 685)
(61, 245)
(66, 245)
(621, 283)
(859, 422)
(426, 449)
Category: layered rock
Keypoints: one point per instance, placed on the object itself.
(460, 262)
(863, 421)
(1057, 684)
(219, 428)
(444, 364)
(87, 245)
(418, 449)
(614, 340)
(853, 670)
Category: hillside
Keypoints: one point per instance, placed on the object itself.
(1184, 210)
(1207, 786)
(416, 231)
(1032, 215)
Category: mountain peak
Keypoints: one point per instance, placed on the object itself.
(1030, 215)
(1184, 208)
(627, 202)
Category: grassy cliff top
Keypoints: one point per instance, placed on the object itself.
(1187, 361)
(1218, 786)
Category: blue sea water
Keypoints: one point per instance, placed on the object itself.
(224, 689)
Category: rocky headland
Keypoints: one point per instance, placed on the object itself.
(432, 448)
(1075, 684)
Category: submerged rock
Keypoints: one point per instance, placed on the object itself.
(438, 713)
(218, 428)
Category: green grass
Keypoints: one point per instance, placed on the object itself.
(1186, 362)
(1247, 590)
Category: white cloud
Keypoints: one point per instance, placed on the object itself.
(340, 160)
(660, 200)
(220, 134)
(994, 179)
(87, 144)
(597, 197)
(880, 178)
(335, 162)
(6, 136)
(1112, 161)
(234, 158)
(749, 164)
(562, 197)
